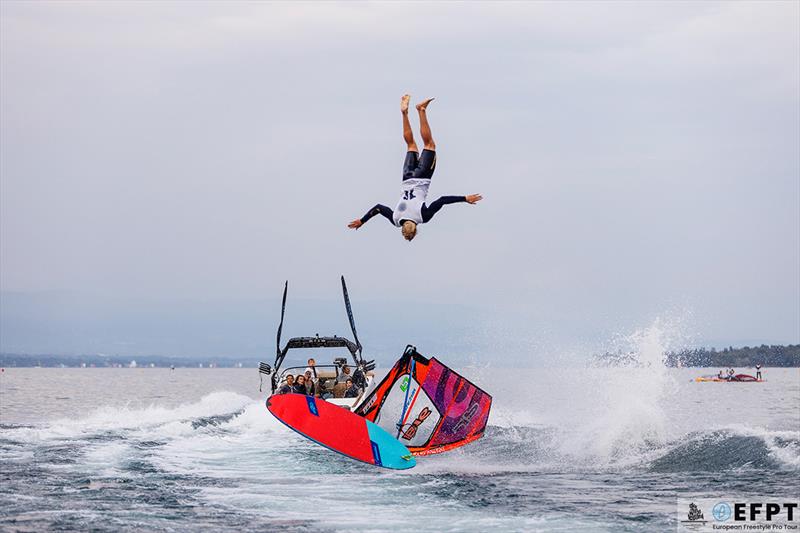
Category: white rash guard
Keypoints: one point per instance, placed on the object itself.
(414, 193)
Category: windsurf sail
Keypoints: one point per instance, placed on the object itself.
(427, 406)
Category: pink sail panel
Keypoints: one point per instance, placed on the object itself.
(465, 407)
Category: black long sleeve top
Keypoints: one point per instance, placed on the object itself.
(427, 210)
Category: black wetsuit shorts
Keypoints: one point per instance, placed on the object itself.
(419, 167)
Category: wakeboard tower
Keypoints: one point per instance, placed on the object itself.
(327, 375)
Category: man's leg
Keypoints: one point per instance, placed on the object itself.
(424, 127)
(408, 133)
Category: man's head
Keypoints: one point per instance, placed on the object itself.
(346, 369)
(409, 230)
(290, 379)
(308, 374)
(311, 362)
(349, 383)
(301, 379)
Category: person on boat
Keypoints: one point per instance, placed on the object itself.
(312, 366)
(721, 374)
(411, 210)
(344, 375)
(299, 385)
(311, 386)
(288, 386)
(758, 371)
(351, 391)
(731, 373)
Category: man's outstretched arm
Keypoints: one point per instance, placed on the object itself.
(429, 210)
(377, 210)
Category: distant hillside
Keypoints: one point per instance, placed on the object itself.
(775, 356)
(785, 356)
(8, 360)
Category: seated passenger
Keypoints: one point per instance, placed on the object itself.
(299, 385)
(351, 391)
(323, 388)
(288, 386)
(311, 387)
(344, 375)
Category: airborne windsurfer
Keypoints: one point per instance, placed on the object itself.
(418, 169)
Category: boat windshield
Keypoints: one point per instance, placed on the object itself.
(328, 379)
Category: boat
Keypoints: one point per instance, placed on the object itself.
(745, 378)
(737, 378)
(327, 375)
(421, 404)
(703, 379)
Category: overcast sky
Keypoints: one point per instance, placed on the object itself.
(637, 160)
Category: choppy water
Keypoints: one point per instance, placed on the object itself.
(566, 450)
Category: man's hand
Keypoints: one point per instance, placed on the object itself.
(355, 224)
(474, 198)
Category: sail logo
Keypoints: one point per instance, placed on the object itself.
(404, 384)
(464, 419)
(409, 433)
(362, 410)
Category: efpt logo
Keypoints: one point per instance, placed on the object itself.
(774, 511)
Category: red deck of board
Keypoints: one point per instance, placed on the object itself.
(335, 427)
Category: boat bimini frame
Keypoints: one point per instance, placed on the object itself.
(355, 349)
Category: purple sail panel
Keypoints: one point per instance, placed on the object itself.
(464, 406)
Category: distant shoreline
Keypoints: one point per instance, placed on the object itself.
(774, 356)
(8, 360)
(780, 356)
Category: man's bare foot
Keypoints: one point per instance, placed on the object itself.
(424, 104)
(404, 100)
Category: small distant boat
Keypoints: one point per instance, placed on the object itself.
(738, 378)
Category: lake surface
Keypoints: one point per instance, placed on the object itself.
(594, 449)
